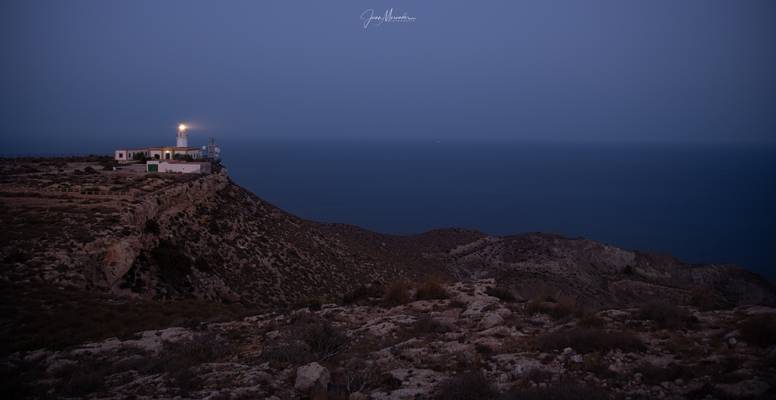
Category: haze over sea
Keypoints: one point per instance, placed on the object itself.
(700, 202)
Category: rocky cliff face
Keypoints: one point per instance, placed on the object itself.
(170, 236)
(467, 341)
(125, 285)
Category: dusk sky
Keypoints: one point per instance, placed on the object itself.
(98, 74)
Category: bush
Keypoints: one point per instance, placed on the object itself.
(467, 386)
(666, 316)
(174, 265)
(398, 293)
(707, 300)
(589, 340)
(427, 325)
(759, 330)
(560, 391)
(178, 356)
(553, 309)
(431, 291)
(288, 353)
(362, 292)
(325, 341)
(86, 377)
(591, 320)
(654, 375)
(151, 226)
(501, 293)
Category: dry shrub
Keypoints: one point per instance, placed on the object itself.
(589, 340)
(323, 338)
(759, 330)
(706, 299)
(556, 310)
(591, 320)
(666, 316)
(538, 375)
(288, 353)
(184, 354)
(457, 304)
(467, 386)
(654, 375)
(86, 377)
(398, 293)
(559, 391)
(363, 293)
(501, 293)
(426, 325)
(431, 290)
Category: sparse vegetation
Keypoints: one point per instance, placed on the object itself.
(324, 340)
(591, 320)
(665, 315)
(654, 375)
(759, 330)
(556, 310)
(362, 293)
(397, 293)
(431, 290)
(589, 340)
(427, 325)
(501, 293)
(467, 386)
(152, 227)
(558, 391)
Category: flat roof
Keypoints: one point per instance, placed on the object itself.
(160, 148)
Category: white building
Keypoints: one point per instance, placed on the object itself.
(158, 153)
(180, 158)
(183, 167)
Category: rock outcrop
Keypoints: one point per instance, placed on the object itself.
(425, 349)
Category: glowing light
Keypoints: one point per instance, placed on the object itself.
(182, 127)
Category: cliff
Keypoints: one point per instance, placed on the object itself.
(162, 236)
(125, 285)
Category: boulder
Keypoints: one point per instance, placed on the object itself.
(311, 375)
(490, 320)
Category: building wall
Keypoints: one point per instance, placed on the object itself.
(184, 168)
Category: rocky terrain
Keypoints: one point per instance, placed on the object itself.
(122, 284)
(469, 340)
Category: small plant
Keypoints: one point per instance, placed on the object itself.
(591, 320)
(589, 340)
(665, 315)
(654, 375)
(288, 353)
(398, 293)
(325, 340)
(467, 386)
(427, 325)
(431, 290)
(362, 293)
(706, 299)
(151, 226)
(759, 330)
(501, 293)
(556, 310)
(558, 391)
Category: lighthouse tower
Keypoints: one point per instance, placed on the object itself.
(183, 137)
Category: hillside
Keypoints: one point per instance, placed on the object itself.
(89, 253)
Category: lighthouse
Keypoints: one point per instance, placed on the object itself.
(183, 137)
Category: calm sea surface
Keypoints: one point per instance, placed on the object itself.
(701, 203)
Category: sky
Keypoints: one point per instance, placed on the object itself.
(93, 75)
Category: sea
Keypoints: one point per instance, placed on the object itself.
(703, 203)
